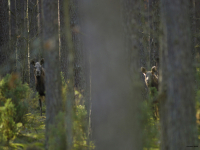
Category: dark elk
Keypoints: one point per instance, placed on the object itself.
(39, 80)
(151, 80)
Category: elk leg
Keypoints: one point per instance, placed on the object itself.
(40, 103)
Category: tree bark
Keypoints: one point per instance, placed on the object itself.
(178, 123)
(20, 42)
(4, 34)
(63, 48)
(70, 76)
(33, 30)
(52, 65)
(154, 26)
(197, 22)
(114, 107)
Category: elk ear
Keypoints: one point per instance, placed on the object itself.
(42, 61)
(143, 70)
(33, 62)
(153, 69)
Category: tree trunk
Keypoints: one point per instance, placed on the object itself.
(13, 36)
(20, 36)
(153, 25)
(39, 14)
(52, 65)
(178, 123)
(33, 30)
(25, 65)
(197, 21)
(4, 34)
(114, 107)
(63, 48)
(70, 76)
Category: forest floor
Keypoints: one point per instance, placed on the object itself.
(32, 135)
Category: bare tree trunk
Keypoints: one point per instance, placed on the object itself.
(63, 48)
(39, 28)
(114, 108)
(13, 35)
(33, 30)
(25, 65)
(4, 33)
(52, 65)
(20, 36)
(178, 123)
(153, 27)
(197, 21)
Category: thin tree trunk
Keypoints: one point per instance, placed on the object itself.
(33, 30)
(13, 35)
(25, 68)
(39, 28)
(197, 21)
(178, 123)
(4, 34)
(20, 36)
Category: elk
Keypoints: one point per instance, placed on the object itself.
(151, 80)
(39, 74)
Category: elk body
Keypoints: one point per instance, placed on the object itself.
(39, 80)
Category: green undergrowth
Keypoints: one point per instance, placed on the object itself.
(31, 135)
(150, 125)
(27, 131)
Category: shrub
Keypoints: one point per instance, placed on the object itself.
(8, 126)
(149, 124)
(12, 87)
(33, 147)
(57, 136)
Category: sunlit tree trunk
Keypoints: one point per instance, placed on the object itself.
(52, 65)
(178, 123)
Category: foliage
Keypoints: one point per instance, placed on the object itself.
(57, 138)
(150, 126)
(63, 79)
(79, 127)
(8, 126)
(12, 87)
(33, 147)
